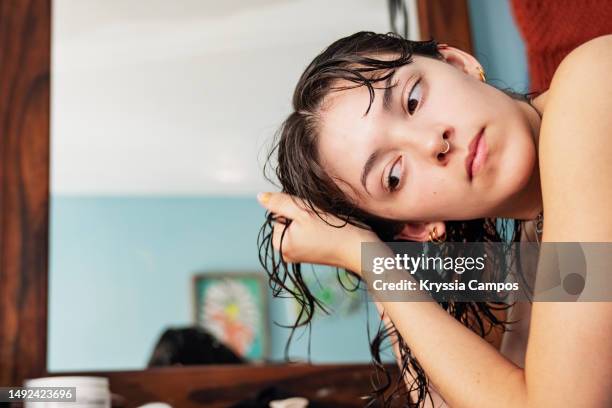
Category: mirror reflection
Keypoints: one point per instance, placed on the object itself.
(162, 116)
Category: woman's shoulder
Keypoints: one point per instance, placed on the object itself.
(576, 176)
(574, 145)
(590, 61)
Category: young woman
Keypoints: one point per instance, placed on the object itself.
(398, 140)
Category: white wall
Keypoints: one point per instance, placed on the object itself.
(181, 97)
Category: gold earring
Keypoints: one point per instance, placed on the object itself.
(482, 74)
(433, 236)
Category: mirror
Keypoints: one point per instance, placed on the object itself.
(162, 115)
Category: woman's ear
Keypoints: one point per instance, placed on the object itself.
(421, 231)
(461, 60)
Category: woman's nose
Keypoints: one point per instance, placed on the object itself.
(435, 144)
(439, 146)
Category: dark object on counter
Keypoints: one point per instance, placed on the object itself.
(191, 346)
(265, 396)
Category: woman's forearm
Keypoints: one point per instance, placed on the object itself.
(436, 401)
(465, 369)
(393, 339)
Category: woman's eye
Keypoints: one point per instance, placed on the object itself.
(393, 179)
(414, 97)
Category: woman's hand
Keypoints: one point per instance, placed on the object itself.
(309, 239)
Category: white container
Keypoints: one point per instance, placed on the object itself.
(91, 392)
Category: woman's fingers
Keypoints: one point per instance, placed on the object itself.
(304, 237)
(285, 210)
(280, 203)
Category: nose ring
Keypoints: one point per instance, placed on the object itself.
(447, 147)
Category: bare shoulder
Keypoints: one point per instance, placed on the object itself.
(575, 146)
(598, 44)
(594, 57)
(584, 73)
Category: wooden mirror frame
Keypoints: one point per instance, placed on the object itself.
(25, 56)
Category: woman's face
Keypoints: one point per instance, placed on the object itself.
(491, 156)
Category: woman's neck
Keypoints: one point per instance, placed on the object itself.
(527, 203)
(539, 102)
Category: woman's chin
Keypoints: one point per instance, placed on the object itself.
(516, 170)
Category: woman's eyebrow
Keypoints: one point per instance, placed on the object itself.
(369, 164)
(388, 94)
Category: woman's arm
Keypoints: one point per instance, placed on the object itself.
(466, 370)
(436, 400)
(569, 354)
(494, 337)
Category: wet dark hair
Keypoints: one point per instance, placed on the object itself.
(299, 170)
(191, 346)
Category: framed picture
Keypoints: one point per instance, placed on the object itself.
(232, 306)
(324, 285)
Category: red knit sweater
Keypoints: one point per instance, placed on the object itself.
(552, 28)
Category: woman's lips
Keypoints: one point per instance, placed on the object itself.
(477, 154)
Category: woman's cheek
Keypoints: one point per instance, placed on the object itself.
(421, 196)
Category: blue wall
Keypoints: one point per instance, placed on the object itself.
(498, 44)
(121, 271)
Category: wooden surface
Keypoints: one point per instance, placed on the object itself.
(224, 385)
(24, 187)
(447, 21)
